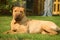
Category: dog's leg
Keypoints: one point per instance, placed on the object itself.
(49, 30)
(12, 24)
(43, 32)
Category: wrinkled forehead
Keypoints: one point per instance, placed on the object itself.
(18, 8)
(21, 8)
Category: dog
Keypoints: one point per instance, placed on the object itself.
(16, 23)
(21, 24)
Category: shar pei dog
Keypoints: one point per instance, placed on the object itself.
(21, 24)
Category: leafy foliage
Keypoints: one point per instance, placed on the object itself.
(6, 6)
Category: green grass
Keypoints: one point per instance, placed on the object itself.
(5, 25)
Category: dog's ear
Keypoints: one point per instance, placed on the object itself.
(13, 8)
(24, 9)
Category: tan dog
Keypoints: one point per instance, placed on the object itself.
(16, 23)
(21, 24)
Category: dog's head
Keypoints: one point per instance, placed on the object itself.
(18, 13)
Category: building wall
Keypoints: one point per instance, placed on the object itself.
(38, 7)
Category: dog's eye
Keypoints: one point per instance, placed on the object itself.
(15, 10)
(21, 12)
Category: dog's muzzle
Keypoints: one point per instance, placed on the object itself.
(18, 17)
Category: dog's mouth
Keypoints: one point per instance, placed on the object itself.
(18, 17)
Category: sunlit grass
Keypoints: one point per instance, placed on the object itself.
(5, 25)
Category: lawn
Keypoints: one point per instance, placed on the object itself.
(5, 25)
